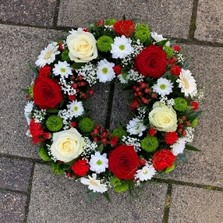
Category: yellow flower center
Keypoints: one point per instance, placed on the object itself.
(75, 108)
(48, 55)
(62, 70)
(105, 70)
(99, 162)
(121, 47)
(93, 182)
(185, 83)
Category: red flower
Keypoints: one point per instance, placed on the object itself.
(175, 70)
(114, 140)
(123, 162)
(151, 62)
(171, 138)
(72, 97)
(152, 131)
(172, 61)
(124, 27)
(47, 93)
(134, 104)
(176, 48)
(36, 130)
(117, 69)
(44, 71)
(80, 168)
(194, 105)
(163, 159)
(100, 22)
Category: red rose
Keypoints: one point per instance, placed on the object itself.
(123, 162)
(80, 168)
(163, 159)
(175, 70)
(134, 104)
(194, 105)
(44, 71)
(117, 69)
(124, 27)
(171, 138)
(151, 62)
(46, 93)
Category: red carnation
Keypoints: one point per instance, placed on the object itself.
(171, 138)
(44, 71)
(175, 70)
(123, 162)
(151, 62)
(37, 133)
(176, 48)
(194, 105)
(114, 140)
(172, 61)
(80, 168)
(124, 27)
(134, 104)
(46, 93)
(117, 69)
(163, 159)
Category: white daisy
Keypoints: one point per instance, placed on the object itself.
(105, 71)
(48, 55)
(158, 37)
(136, 127)
(163, 86)
(178, 146)
(76, 107)
(187, 83)
(94, 184)
(63, 69)
(146, 173)
(121, 47)
(98, 162)
(27, 111)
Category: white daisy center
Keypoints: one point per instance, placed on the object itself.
(105, 70)
(122, 47)
(93, 182)
(63, 70)
(145, 171)
(75, 108)
(48, 55)
(163, 86)
(99, 162)
(185, 83)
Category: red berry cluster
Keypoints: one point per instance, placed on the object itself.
(100, 134)
(182, 124)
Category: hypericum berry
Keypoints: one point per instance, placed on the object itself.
(176, 48)
(95, 139)
(75, 85)
(194, 105)
(145, 101)
(184, 118)
(72, 97)
(104, 141)
(73, 124)
(142, 162)
(134, 104)
(90, 92)
(153, 95)
(79, 78)
(143, 85)
(104, 134)
(137, 89)
(95, 131)
(147, 90)
(152, 132)
(83, 83)
(187, 123)
(184, 133)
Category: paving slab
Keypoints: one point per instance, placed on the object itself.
(209, 25)
(197, 205)
(12, 207)
(32, 12)
(57, 199)
(168, 17)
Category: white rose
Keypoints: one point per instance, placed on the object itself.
(82, 46)
(163, 118)
(67, 145)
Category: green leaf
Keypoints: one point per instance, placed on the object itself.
(161, 43)
(106, 195)
(52, 110)
(65, 55)
(169, 169)
(100, 148)
(78, 65)
(58, 169)
(26, 90)
(190, 147)
(148, 41)
(34, 69)
(43, 154)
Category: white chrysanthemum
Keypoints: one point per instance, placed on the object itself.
(163, 86)
(187, 83)
(27, 111)
(136, 127)
(76, 107)
(48, 55)
(146, 173)
(98, 163)
(63, 69)
(94, 184)
(121, 47)
(158, 37)
(105, 71)
(179, 146)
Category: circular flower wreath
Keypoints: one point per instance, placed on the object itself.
(163, 102)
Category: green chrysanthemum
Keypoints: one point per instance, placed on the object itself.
(43, 154)
(110, 22)
(119, 132)
(169, 51)
(149, 144)
(86, 125)
(119, 185)
(104, 43)
(54, 123)
(142, 32)
(180, 104)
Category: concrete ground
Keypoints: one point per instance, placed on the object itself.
(193, 193)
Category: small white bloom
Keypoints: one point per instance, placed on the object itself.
(146, 173)
(189, 134)
(94, 184)
(105, 71)
(163, 86)
(187, 83)
(48, 55)
(158, 37)
(63, 69)
(98, 162)
(27, 111)
(76, 107)
(178, 146)
(121, 47)
(136, 127)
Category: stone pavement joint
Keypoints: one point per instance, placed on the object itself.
(193, 19)
(167, 204)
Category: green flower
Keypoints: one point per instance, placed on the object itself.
(180, 104)
(149, 144)
(119, 185)
(54, 123)
(104, 43)
(31, 90)
(142, 32)
(169, 51)
(194, 123)
(119, 132)
(86, 125)
(110, 22)
(43, 154)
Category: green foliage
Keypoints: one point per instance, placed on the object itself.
(54, 123)
(104, 43)
(169, 169)
(58, 169)
(34, 69)
(142, 32)
(119, 185)
(43, 154)
(110, 22)
(119, 132)
(194, 123)
(65, 55)
(149, 144)
(189, 147)
(180, 104)
(52, 110)
(169, 51)
(86, 124)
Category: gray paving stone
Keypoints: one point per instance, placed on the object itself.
(14, 174)
(33, 12)
(57, 199)
(209, 25)
(189, 204)
(12, 207)
(168, 17)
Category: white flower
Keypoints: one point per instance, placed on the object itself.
(187, 83)
(94, 184)
(76, 107)
(136, 127)
(146, 173)
(98, 162)
(189, 134)
(178, 146)
(121, 47)
(48, 55)
(63, 69)
(163, 86)
(27, 111)
(105, 71)
(158, 37)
